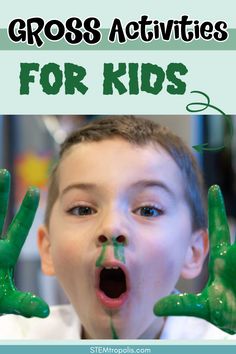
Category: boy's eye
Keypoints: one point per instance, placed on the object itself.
(148, 211)
(81, 210)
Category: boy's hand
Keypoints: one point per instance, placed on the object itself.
(11, 300)
(217, 302)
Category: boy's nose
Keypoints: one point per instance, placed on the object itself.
(119, 239)
(113, 227)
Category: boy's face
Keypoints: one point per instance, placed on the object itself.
(119, 236)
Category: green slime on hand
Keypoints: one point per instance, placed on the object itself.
(217, 302)
(14, 301)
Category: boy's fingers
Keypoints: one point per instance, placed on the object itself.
(4, 195)
(23, 220)
(182, 305)
(24, 304)
(8, 256)
(217, 219)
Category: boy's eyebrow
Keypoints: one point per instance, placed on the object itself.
(153, 183)
(83, 186)
(137, 185)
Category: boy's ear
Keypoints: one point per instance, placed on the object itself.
(44, 247)
(196, 254)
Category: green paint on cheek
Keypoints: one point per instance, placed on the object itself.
(113, 331)
(101, 258)
(119, 250)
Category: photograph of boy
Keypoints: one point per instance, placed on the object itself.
(125, 219)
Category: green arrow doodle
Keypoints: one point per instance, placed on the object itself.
(203, 106)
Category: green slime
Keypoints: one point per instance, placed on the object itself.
(119, 252)
(14, 301)
(101, 258)
(120, 255)
(113, 331)
(217, 302)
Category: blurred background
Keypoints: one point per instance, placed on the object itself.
(29, 146)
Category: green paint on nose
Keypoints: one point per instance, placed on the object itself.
(119, 250)
(101, 257)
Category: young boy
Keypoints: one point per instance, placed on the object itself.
(125, 219)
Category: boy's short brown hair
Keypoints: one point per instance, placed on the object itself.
(139, 131)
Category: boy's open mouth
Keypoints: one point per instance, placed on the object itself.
(112, 286)
(112, 282)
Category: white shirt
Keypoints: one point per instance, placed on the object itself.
(63, 324)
